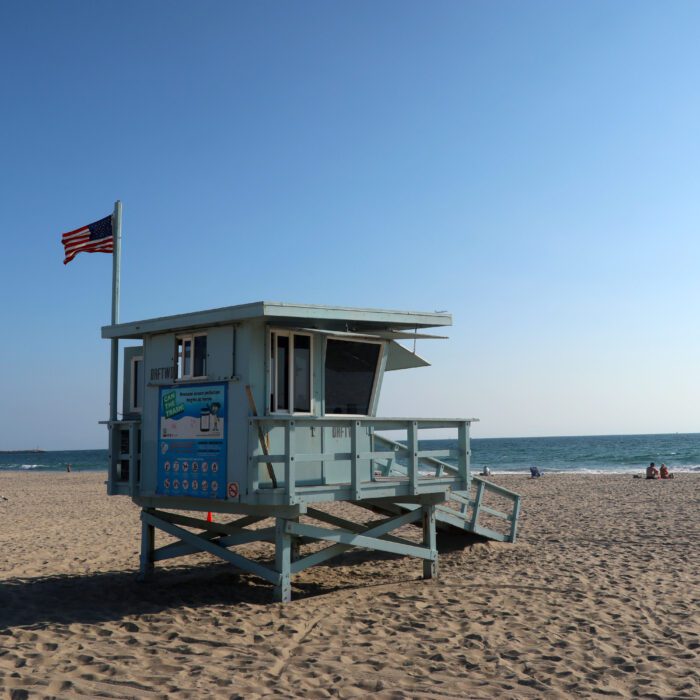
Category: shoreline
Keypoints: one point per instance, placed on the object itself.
(40, 469)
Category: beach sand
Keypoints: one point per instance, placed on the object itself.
(600, 596)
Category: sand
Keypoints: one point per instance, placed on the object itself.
(599, 597)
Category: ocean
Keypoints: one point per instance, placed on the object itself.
(591, 454)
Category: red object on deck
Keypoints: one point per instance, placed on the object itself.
(209, 518)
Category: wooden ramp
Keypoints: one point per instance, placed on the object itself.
(487, 509)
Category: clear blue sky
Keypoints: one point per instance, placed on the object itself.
(533, 167)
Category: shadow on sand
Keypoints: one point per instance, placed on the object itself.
(109, 596)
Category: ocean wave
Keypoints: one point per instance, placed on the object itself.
(589, 471)
(23, 467)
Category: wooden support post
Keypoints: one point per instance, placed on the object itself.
(113, 459)
(134, 476)
(463, 445)
(252, 477)
(430, 566)
(289, 464)
(283, 561)
(147, 548)
(296, 544)
(355, 481)
(413, 457)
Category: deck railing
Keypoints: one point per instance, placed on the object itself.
(124, 457)
(361, 480)
(428, 459)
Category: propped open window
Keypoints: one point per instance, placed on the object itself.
(137, 384)
(290, 372)
(191, 353)
(350, 375)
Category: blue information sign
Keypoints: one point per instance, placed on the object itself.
(192, 441)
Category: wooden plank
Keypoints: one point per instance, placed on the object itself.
(353, 527)
(283, 561)
(134, 458)
(333, 520)
(355, 481)
(425, 454)
(496, 488)
(398, 448)
(181, 549)
(413, 457)
(359, 540)
(264, 508)
(368, 421)
(269, 458)
(289, 463)
(213, 548)
(477, 504)
(491, 534)
(497, 513)
(213, 527)
(336, 549)
(463, 442)
(147, 551)
(514, 524)
(332, 457)
(308, 457)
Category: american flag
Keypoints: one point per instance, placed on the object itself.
(93, 238)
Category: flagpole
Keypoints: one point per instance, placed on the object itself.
(116, 272)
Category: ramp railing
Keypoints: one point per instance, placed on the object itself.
(467, 509)
(501, 522)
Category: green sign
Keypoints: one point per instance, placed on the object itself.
(170, 405)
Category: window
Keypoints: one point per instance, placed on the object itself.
(351, 368)
(191, 356)
(136, 383)
(302, 373)
(290, 372)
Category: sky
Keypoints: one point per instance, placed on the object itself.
(531, 167)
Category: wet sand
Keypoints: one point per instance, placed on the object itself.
(600, 596)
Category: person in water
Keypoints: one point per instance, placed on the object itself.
(652, 471)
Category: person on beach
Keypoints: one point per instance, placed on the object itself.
(652, 471)
(664, 473)
(535, 472)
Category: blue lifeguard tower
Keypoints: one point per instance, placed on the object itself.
(265, 410)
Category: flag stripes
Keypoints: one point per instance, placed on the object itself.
(93, 238)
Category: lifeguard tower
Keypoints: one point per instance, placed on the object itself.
(265, 410)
